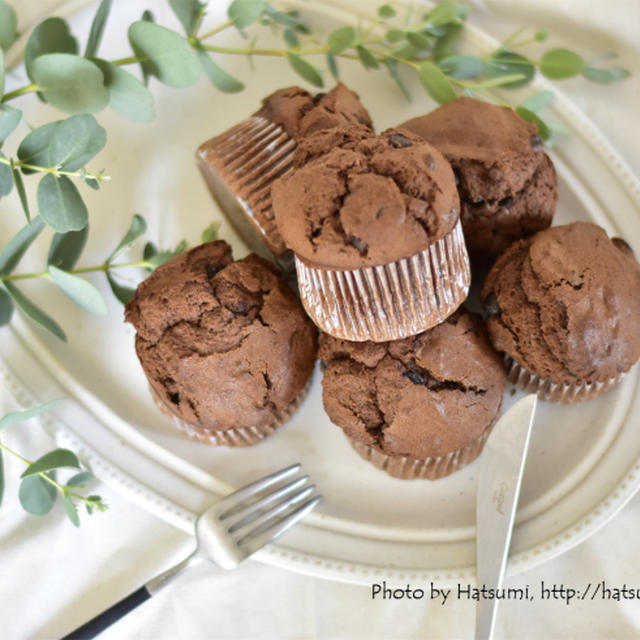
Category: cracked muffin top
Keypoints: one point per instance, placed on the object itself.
(565, 304)
(300, 114)
(356, 200)
(506, 183)
(224, 344)
(422, 397)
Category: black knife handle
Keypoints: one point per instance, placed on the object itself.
(108, 617)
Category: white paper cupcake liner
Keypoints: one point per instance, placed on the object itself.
(545, 389)
(240, 166)
(235, 437)
(391, 301)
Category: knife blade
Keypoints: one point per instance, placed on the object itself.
(499, 479)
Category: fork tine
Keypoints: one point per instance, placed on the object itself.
(234, 499)
(245, 513)
(255, 540)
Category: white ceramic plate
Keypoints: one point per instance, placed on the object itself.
(584, 461)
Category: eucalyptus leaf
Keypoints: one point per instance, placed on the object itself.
(290, 38)
(538, 101)
(386, 11)
(288, 19)
(367, 58)
(605, 76)
(34, 149)
(50, 36)
(392, 66)
(53, 460)
(2, 72)
(75, 142)
(97, 28)
(137, 227)
(81, 479)
(66, 248)
(305, 69)
(9, 120)
(461, 67)
(210, 234)
(443, 13)
(6, 177)
(541, 36)
(6, 309)
(122, 293)
(34, 312)
(395, 35)
(71, 510)
(507, 63)
(188, 12)
(558, 64)
(219, 77)
(22, 194)
(1, 477)
(70, 83)
(419, 41)
(37, 496)
(332, 65)
(445, 43)
(82, 292)
(16, 417)
(435, 82)
(17, 246)
(245, 12)
(61, 205)
(530, 116)
(8, 26)
(127, 95)
(341, 39)
(164, 54)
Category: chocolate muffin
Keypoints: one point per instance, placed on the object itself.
(507, 184)
(240, 164)
(564, 307)
(373, 222)
(421, 407)
(226, 346)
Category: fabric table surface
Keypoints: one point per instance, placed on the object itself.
(54, 577)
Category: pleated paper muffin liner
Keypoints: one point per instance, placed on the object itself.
(238, 436)
(240, 166)
(391, 301)
(545, 389)
(409, 468)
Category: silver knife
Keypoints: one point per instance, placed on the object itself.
(499, 479)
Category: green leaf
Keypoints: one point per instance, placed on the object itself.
(17, 246)
(305, 69)
(445, 42)
(82, 292)
(137, 227)
(219, 78)
(394, 35)
(529, 116)
(34, 149)
(2, 72)
(70, 83)
(8, 26)
(22, 194)
(35, 313)
(288, 19)
(97, 28)
(164, 54)
(127, 95)
(81, 479)
(188, 12)
(498, 81)
(605, 76)
(50, 36)
(341, 39)
(9, 120)
(461, 67)
(71, 510)
(245, 12)
(210, 234)
(332, 65)
(61, 205)
(65, 248)
(16, 417)
(53, 460)
(419, 41)
(386, 11)
(6, 177)
(122, 293)
(367, 58)
(6, 308)
(392, 66)
(37, 496)
(147, 16)
(290, 38)
(541, 36)
(443, 13)
(75, 142)
(558, 64)
(538, 101)
(507, 63)
(435, 82)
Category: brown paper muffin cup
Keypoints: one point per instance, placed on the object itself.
(239, 167)
(391, 301)
(552, 391)
(236, 437)
(433, 468)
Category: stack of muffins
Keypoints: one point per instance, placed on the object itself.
(385, 232)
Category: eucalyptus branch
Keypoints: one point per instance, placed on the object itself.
(56, 171)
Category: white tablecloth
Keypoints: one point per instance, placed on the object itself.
(54, 577)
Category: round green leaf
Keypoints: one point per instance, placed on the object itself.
(6, 308)
(507, 63)
(66, 248)
(53, 460)
(386, 11)
(75, 142)
(34, 312)
(419, 41)
(605, 76)
(70, 83)
(18, 245)
(561, 63)
(188, 12)
(245, 12)
(460, 67)
(9, 120)
(529, 116)
(394, 35)
(164, 54)
(219, 77)
(80, 479)
(34, 149)
(305, 69)
(36, 495)
(367, 58)
(435, 82)
(341, 39)
(81, 291)
(538, 101)
(50, 36)
(8, 26)
(60, 204)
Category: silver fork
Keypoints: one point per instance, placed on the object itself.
(227, 533)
